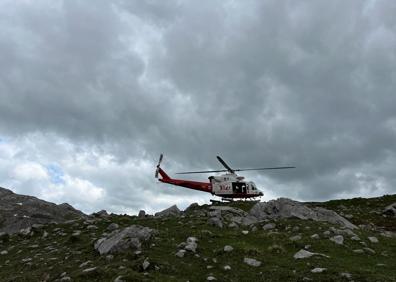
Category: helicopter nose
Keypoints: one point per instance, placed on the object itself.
(261, 194)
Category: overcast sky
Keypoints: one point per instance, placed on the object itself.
(91, 92)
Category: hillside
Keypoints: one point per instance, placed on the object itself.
(21, 211)
(276, 241)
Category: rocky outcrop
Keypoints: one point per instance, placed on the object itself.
(390, 210)
(130, 238)
(172, 211)
(286, 208)
(21, 212)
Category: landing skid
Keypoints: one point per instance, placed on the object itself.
(231, 200)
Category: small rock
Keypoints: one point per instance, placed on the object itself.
(315, 236)
(142, 213)
(347, 275)
(318, 270)
(245, 232)
(76, 233)
(252, 262)
(368, 250)
(211, 278)
(119, 279)
(326, 233)
(373, 239)
(228, 248)
(3, 252)
(145, 264)
(109, 257)
(102, 213)
(338, 239)
(295, 238)
(112, 227)
(303, 254)
(89, 270)
(227, 267)
(269, 226)
(84, 264)
(296, 228)
(172, 211)
(355, 238)
(215, 221)
(180, 253)
(358, 251)
(65, 279)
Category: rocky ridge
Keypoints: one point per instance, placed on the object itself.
(277, 240)
(19, 212)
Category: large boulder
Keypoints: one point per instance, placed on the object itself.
(286, 208)
(21, 212)
(390, 210)
(130, 238)
(226, 210)
(172, 211)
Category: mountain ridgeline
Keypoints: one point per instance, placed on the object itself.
(279, 240)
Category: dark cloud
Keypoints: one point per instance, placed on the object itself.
(261, 83)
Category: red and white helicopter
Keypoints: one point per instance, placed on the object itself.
(228, 186)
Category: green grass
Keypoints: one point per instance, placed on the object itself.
(273, 249)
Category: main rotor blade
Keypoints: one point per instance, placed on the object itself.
(225, 165)
(203, 171)
(264, 168)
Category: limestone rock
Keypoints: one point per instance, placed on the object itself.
(390, 210)
(102, 213)
(171, 211)
(180, 253)
(269, 226)
(142, 213)
(338, 239)
(373, 239)
(20, 212)
(191, 244)
(145, 264)
(286, 208)
(318, 270)
(315, 236)
(229, 210)
(128, 238)
(192, 207)
(215, 221)
(295, 238)
(252, 262)
(302, 254)
(112, 227)
(228, 248)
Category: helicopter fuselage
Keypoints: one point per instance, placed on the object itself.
(226, 186)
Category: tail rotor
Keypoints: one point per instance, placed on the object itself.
(158, 166)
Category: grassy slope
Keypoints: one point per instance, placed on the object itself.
(277, 263)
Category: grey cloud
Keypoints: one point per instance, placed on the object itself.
(261, 83)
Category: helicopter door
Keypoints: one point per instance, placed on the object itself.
(239, 187)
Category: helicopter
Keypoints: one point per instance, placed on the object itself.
(228, 186)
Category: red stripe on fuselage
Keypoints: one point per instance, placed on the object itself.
(195, 185)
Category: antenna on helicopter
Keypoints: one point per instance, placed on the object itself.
(158, 166)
